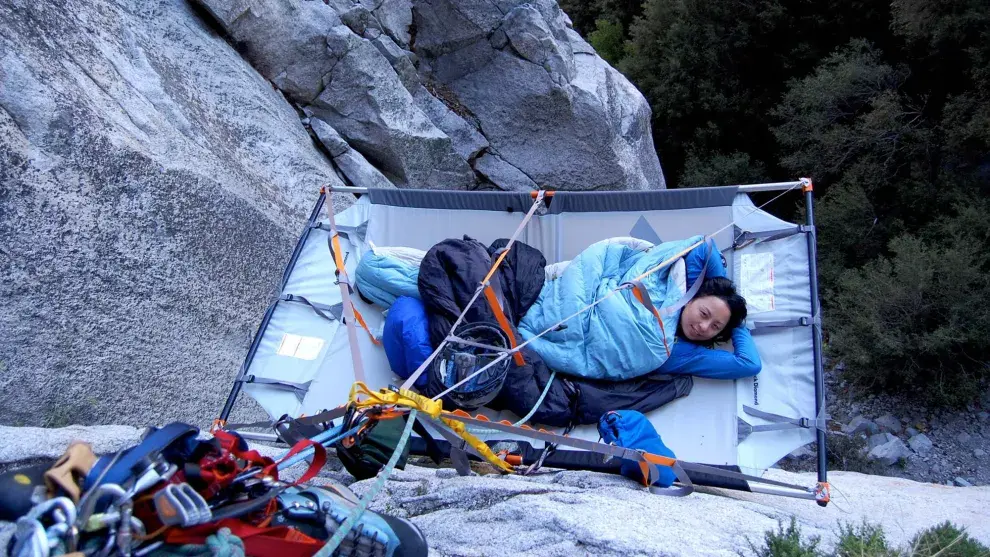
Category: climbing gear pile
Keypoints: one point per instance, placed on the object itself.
(175, 493)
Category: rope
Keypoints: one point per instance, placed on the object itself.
(345, 528)
(491, 272)
(325, 442)
(539, 401)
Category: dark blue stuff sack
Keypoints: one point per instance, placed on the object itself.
(406, 338)
(632, 430)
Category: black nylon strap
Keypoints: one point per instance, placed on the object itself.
(783, 422)
(458, 447)
(323, 417)
(278, 383)
(744, 239)
(320, 309)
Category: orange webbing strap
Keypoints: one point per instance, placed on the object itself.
(345, 296)
(648, 463)
(503, 322)
(641, 294)
(360, 320)
(339, 262)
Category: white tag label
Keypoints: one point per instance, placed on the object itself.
(756, 282)
(297, 346)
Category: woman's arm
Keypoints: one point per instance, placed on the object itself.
(688, 358)
(696, 259)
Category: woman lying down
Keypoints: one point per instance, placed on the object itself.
(619, 338)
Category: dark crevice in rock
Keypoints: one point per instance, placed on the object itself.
(209, 20)
(412, 36)
(447, 96)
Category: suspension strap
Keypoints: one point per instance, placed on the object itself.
(503, 323)
(610, 450)
(345, 286)
(479, 447)
(643, 295)
(778, 422)
(401, 398)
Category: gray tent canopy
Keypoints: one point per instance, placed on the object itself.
(300, 361)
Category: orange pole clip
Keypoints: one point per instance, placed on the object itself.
(807, 185)
(823, 493)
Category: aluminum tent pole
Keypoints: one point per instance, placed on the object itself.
(743, 188)
(773, 186)
(809, 199)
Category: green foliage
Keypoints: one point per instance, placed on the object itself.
(947, 540)
(920, 318)
(786, 542)
(886, 105)
(864, 540)
(585, 14)
(607, 40)
(719, 170)
(701, 64)
(869, 540)
(848, 111)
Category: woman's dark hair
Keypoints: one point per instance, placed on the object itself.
(723, 288)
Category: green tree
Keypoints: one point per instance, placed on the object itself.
(703, 66)
(607, 39)
(719, 169)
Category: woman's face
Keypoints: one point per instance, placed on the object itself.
(703, 318)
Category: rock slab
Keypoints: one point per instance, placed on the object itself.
(920, 444)
(889, 423)
(547, 104)
(152, 185)
(890, 452)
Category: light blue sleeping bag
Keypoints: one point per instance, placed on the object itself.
(384, 274)
(619, 338)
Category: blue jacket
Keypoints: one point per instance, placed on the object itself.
(688, 358)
